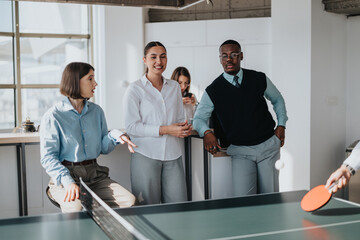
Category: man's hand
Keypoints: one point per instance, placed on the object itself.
(72, 192)
(280, 133)
(210, 142)
(342, 174)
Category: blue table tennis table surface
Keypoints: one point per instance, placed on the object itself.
(267, 216)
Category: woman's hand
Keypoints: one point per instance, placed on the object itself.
(122, 138)
(180, 130)
(189, 100)
(126, 139)
(72, 193)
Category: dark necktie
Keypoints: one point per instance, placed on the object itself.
(236, 81)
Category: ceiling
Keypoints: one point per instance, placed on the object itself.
(347, 7)
(161, 4)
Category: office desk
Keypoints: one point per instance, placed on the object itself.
(20, 140)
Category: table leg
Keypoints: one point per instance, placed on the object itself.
(21, 168)
(188, 167)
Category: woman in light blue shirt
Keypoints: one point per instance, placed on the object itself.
(73, 134)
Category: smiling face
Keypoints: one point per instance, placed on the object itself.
(88, 85)
(230, 58)
(156, 60)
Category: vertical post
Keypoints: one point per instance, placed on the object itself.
(206, 174)
(23, 180)
(188, 167)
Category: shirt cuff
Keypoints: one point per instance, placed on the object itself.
(67, 180)
(152, 131)
(282, 122)
(202, 131)
(353, 159)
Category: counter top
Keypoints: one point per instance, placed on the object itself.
(9, 138)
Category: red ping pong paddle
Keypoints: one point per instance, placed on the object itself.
(317, 197)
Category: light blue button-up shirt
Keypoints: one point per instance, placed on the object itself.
(206, 106)
(67, 135)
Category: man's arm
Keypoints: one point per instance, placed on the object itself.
(201, 119)
(277, 100)
(202, 114)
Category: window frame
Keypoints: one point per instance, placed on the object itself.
(16, 35)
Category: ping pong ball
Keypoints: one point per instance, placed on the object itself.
(279, 164)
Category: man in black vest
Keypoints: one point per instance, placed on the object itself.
(238, 99)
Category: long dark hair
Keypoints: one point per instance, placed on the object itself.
(181, 71)
(70, 81)
(150, 45)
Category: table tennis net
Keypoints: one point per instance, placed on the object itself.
(114, 226)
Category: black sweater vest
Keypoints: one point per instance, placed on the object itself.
(242, 112)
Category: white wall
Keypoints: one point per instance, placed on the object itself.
(118, 56)
(353, 80)
(309, 48)
(328, 98)
(291, 51)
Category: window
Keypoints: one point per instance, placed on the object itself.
(34, 49)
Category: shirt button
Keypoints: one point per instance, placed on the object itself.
(85, 145)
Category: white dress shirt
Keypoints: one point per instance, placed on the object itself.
(354, 159)
(146, 109)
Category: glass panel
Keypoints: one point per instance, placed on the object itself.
(53, 18)
(7, 112)
(43, 59)
(5, 16)
(36, 101)
(6, 61)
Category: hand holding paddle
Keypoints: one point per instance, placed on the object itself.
(341, 176)
(318, 197)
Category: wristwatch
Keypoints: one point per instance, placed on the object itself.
(351, 170)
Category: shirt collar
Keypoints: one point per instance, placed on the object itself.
(230, 78)
(145, 80)
(69, 107)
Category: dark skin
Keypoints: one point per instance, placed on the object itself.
(231, 65)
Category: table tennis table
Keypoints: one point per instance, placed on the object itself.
(267, 216)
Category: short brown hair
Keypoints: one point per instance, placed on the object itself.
(181, 71)
(70, 81)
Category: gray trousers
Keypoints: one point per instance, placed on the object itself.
(155, 181)
(97, 178)
(253, 167)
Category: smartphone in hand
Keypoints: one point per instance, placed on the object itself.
(187, 94)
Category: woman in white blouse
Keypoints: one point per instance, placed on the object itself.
(182, 76)
(154, 119)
